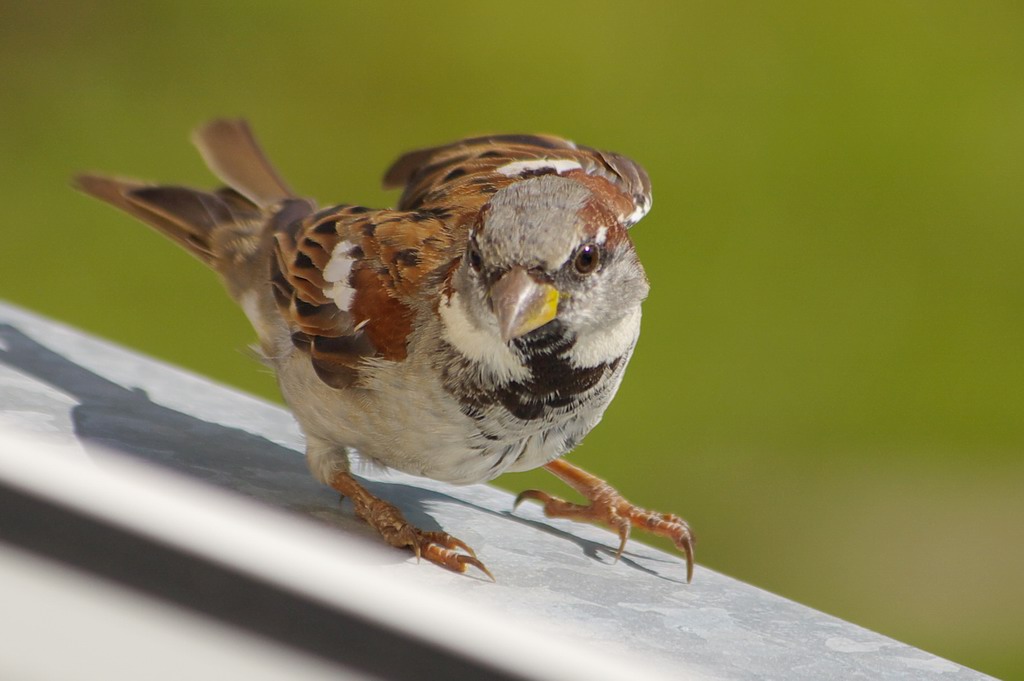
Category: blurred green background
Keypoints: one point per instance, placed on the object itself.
(830, 384)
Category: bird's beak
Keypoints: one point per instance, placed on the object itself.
(522, 304)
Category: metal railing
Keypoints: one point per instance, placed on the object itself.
(128, 486)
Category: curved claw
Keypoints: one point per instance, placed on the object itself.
(688, 550)
(458, 543)
(534, 494)
(623, 538)
(470, 560)
(673, 527)
(438, 548)
(447, 541)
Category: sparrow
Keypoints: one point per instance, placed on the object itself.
(481, 326)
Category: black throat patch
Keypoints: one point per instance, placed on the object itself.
(554, 383)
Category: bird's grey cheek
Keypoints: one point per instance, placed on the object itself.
(624, 292)
(483, 307)
(473, 296)
(632, 281)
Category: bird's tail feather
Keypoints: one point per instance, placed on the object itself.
(232, 153)
(189, 217)
(224, 228)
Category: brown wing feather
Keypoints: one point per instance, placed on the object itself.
(387, 255)
(467, 172)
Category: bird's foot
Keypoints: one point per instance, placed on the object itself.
(439, 548)
(608, 507)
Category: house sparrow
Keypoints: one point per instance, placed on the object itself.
(482, 326)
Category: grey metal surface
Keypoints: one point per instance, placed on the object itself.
(83, 393)
(118, 635)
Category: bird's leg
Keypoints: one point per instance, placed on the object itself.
(608, 507)
(437, 547)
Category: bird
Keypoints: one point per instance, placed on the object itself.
(481, 326)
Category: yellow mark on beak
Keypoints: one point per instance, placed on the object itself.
(522, 304)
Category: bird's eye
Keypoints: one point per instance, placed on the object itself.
(588, 257)
(475, 260)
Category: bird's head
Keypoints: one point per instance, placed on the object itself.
(547, 252)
